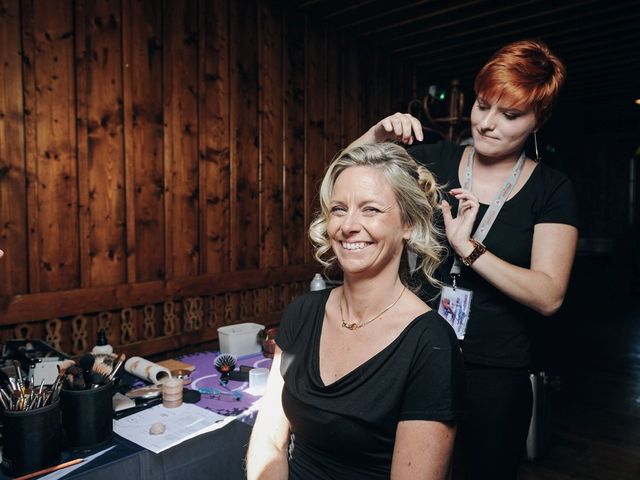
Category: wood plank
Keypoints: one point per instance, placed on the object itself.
(84, 214)
(333, 109)
(29, 79)
(51, 144)
(383, 87)
(315, 155)
(245, 220)
(401, 87)
(105, 174)
(181, 137)
(13, 197)
(351, 105)
(368, 69)
(35, 307)
(142, 56)
(271, 134)
(214, 138)
(294, 139)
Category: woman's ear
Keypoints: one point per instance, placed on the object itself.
(406, 234)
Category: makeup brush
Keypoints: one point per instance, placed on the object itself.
(99, 374)
(117, 367)
(86, 364)
(16, 365)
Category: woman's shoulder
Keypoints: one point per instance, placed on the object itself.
(300, 317)
(309, 300)
(435, 330)
(553, 184)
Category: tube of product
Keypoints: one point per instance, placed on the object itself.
(146, 370)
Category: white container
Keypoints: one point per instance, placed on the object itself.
(317, 283)
(240, 339)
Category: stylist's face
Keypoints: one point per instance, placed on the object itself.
(499, 129)
(365, 227)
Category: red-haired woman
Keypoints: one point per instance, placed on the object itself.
(513, 235)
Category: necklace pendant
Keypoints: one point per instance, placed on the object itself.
(350, 326)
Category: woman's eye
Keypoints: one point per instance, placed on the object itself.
(510, 116)
(482, 107)
(337, 209)
(371, 210)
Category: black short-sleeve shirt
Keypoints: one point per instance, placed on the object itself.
(499, 328)
(346, 430)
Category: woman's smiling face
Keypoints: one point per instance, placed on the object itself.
(365, 226)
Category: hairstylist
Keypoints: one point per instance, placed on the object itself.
(513, 237)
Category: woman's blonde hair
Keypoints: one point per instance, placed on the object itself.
(415, 190)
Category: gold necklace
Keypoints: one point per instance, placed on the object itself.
(354, 326)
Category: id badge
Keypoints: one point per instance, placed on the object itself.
(454, 307)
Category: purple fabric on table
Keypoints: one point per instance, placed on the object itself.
(206, 376)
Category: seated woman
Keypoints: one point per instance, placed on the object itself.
(366, 380)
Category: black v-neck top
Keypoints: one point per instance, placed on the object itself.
(346, 430)
(498, 332)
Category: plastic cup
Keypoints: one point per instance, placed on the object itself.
(258, 380)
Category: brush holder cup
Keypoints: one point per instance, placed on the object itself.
(31, 439)
(87, 417)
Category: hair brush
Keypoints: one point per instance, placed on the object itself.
(225, 363)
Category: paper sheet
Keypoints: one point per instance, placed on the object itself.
(181, 423)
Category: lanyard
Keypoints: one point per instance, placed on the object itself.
(494, 208)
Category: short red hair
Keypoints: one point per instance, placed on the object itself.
(526, 74)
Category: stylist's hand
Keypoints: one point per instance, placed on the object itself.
(459, 229)
(399, 126)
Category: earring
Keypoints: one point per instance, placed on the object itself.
(535, 143)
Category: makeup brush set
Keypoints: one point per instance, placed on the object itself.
(92, 371)
(22, 394)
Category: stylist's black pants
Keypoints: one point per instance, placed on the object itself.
(494, 434)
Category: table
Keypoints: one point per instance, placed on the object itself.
(215, 455)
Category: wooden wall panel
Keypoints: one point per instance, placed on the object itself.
(214, 137)
(180, 150)
(294, 138)
(315, 155)
(103, 160)
(333, 107)
(351, 126)
(143, 120)
(181, 137)
(49, 96)
(271, 134)
(13, 205)
(245, 219)
(383, 86)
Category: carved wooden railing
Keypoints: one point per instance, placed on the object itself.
(154, 317)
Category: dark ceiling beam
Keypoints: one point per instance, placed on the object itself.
(479, 25)
(599, 43)
(449, 7)
(383, 16)
(594, 22)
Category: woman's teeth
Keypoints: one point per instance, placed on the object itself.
(354, 245)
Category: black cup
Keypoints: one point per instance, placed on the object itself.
(87, 417)
(31, 439)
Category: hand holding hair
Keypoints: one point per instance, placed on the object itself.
(460, 229)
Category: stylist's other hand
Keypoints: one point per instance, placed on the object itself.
(460, 228)
(399, 126)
